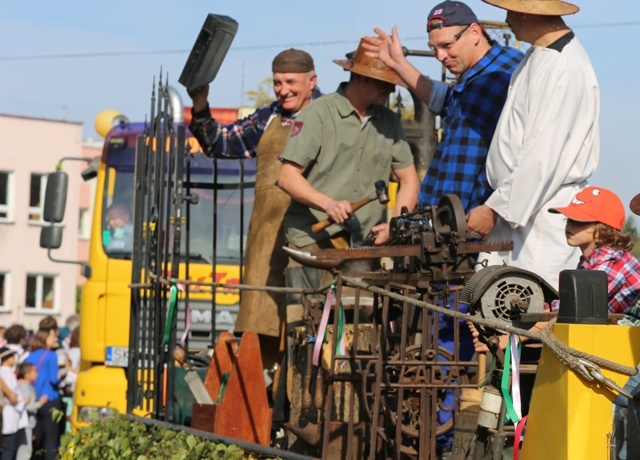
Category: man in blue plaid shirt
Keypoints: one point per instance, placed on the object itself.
(469, 109)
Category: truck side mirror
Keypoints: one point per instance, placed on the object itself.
(51, 237)
(55, 198)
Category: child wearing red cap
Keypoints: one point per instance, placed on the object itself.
(595, 218)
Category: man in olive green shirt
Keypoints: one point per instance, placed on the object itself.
(339, 146)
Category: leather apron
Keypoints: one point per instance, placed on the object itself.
(265, 261)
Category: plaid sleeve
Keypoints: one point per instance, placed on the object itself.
(623, 276)
(470, 113)
(232, 140)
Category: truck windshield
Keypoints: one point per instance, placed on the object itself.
(224, 202)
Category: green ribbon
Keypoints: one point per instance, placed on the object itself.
(340, 337)
(487, 377)
(223, 386)
(173, 300)
(504, 386)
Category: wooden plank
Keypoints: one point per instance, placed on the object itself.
(244, 412)
(221, 362)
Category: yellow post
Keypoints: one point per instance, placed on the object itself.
(570, 418)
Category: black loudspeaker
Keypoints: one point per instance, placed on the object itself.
(209, 51)
(584, 297)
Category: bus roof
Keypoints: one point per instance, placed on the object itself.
(120, 145)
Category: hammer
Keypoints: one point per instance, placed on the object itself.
(380, 194)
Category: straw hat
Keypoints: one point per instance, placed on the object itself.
(634, 205)
(539, 7)
(368, 66)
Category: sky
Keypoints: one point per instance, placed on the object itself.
(70, 60)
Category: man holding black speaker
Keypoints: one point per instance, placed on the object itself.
(262, 135)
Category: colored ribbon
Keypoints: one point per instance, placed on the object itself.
(519, 436)
(322, 329)
(173, 300)
(341, 348)
(173, 296)
(515, 375)
(187, 317)
(511, 413)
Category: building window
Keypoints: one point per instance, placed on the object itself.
(4, 288)
(84, 224)
(6, 196)
(41, 293)
(37, 188)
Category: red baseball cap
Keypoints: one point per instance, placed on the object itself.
(595, 204)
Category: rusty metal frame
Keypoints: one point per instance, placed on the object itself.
(409, 377)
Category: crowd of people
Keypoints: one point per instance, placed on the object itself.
(37, 373)
(520, 141)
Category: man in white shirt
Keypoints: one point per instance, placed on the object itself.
(546, 144)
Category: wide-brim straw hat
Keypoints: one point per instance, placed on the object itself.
(539, 7)
(369, 66)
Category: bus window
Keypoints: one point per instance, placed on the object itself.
(229, 233)
(233, 201)
(117, 221)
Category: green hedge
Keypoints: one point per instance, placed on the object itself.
(120, 438)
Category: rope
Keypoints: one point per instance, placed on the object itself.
(239, 287)
(567, 355)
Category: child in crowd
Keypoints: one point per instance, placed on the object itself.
(70, 324)
(48, 427)
(631, 317)
(27, 374)
(595, 218)
(49, 324)
(16, 337)
(14, 417)
(73, 359)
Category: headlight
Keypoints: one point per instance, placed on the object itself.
(89, 414)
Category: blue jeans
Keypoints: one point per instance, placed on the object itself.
(446, 341)
(10, 443)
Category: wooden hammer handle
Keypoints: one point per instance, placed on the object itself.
(355, 205)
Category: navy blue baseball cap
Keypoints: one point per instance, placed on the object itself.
(451, 13)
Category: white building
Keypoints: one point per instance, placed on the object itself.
(31, 285)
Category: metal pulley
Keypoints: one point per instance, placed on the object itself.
(504, 293)
(450, 217)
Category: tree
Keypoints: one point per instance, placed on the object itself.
(406, 105)
(631, 229)
(263, 94)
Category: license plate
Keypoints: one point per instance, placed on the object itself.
(117, 357)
